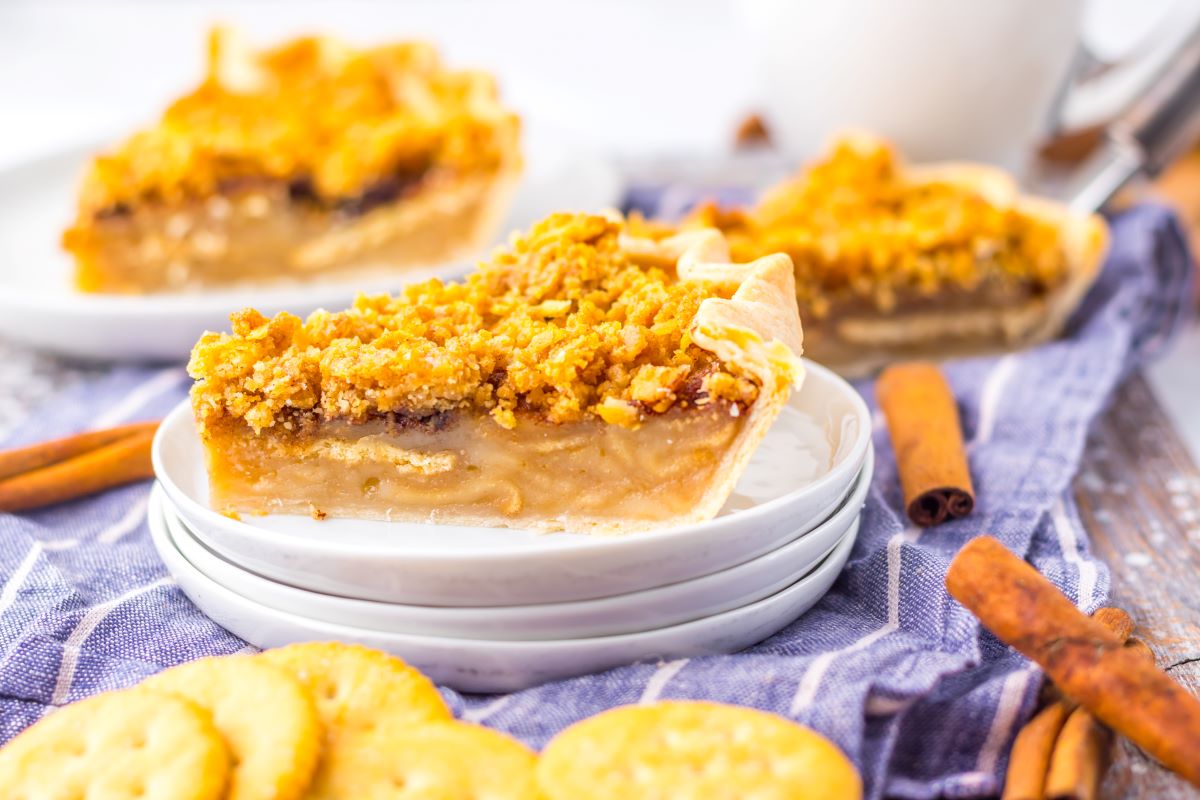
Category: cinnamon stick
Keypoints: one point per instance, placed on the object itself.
(1080, 755)
(1142, 650)
(1116, 620)
(926, 434)
(43, 454)
(1029, 761)
(1030, 757)
(1086, 660)
(123, 461)
(1080, 758)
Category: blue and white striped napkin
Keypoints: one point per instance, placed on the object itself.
(886, 664)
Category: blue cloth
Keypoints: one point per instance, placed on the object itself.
(886, 665)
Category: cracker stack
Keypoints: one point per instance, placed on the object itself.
(329, 721)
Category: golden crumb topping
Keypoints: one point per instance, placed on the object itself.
(857, 224)
(313, 110)
(561, 323)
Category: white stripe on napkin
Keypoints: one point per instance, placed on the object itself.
(880, 706)
(58, 545)
(806, 692)
(1011, 695)
(87, 623)
(13, 585)
(130, 521)
(1068, 541)
(989, 398)
(483, 712)
(658, 681)
(160, 382)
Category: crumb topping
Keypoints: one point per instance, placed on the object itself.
(312, 110)
(855, 225)
(561, 323)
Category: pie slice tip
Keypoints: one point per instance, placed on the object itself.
(758, 328)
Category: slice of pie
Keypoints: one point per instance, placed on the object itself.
(296, 163)
(896, 261)
(581, 379)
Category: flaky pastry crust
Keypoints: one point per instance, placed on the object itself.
(758, 328)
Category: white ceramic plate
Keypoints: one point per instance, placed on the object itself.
(39, 306)
(803, 470)
(627, 613)
(481, 665)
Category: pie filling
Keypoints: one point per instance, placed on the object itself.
(269, 231)
(464, 468)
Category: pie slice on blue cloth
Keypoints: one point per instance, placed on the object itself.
(583, 378)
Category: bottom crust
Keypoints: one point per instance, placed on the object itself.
(466, 469)
(259, 235)
(856, 344)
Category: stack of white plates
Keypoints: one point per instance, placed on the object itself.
(491, 609)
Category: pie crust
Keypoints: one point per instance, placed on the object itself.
(297, 163)
(896, 261)
(593, 381)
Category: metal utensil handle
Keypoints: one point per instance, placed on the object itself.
(1170, 121)
(1148, 138)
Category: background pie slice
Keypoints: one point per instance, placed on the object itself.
(294, 163)
(899, 261)
(581, 379)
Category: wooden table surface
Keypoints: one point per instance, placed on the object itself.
(1139, 496)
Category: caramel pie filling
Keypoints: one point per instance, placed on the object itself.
(262, 233)
(461, 468)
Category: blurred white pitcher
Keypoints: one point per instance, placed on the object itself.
(969, 79)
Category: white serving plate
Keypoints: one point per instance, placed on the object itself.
(804, 469)
(481, 665)
(39, 306)
(627, 613)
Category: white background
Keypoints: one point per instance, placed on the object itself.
(638, 77)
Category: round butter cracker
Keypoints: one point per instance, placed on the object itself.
(268, 719)
(452, 760)
(130, 745)
(356, 689)
(683, 750)
(355, 686)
